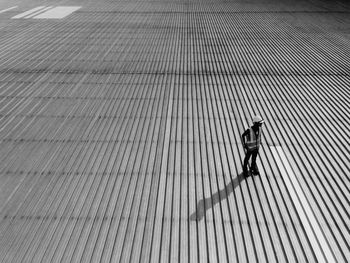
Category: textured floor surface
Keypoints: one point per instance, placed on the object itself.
(120, 131)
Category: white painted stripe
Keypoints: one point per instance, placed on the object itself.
(307, 217)
(58, 12)
(38, 12)
(28, 12)
(8, 9)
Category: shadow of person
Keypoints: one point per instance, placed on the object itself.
(207, 203)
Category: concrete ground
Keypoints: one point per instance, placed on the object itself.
(120, 126)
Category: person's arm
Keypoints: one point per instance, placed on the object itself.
(244, 135)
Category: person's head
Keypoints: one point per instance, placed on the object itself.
(257, 121)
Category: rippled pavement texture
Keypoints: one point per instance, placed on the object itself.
(120, 126)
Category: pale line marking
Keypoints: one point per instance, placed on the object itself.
(58, 12)
(307, 217)
(38, 12)
(28, 12)
(8, 9)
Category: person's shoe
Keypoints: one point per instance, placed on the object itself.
(255, 170)
(245, 173)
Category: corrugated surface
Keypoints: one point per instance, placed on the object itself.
(120, 131)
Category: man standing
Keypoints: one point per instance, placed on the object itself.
(251, 139)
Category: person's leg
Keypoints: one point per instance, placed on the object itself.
(245, 163)
(254, 167)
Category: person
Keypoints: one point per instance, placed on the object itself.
(251, 139)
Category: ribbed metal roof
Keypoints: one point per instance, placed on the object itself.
(120, 131)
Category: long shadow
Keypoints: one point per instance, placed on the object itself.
(207, 203)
